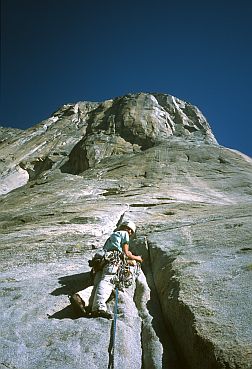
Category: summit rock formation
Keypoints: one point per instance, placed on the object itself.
(68, 181)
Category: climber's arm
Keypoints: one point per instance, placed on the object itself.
(129, 254)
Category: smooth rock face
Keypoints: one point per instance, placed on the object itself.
(68, 181)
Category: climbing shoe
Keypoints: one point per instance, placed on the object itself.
(102, 314)
(78, 304)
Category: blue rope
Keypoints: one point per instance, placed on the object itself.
(114, 325)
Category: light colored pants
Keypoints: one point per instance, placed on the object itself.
(87, 295)
(97, 296)
(104, 289)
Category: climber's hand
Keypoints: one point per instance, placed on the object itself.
(140, 259)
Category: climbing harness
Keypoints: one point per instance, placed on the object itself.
(126, 273)
(116, 264)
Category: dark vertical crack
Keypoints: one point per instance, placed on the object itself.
(196, 352)
(164, 343)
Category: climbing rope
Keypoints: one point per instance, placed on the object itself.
(118, 284)
(122, 280)
(114, 325)
(112, 352)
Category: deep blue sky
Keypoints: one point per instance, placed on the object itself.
(61, 51)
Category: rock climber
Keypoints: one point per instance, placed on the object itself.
(120, 267)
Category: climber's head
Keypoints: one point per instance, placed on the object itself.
(130, 227)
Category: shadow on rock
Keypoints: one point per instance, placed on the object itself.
(70, 285)
(73, 283)
(67, 313)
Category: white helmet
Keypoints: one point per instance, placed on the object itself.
(130, 225)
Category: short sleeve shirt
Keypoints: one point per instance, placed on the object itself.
(116, 241)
